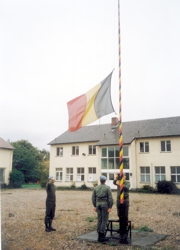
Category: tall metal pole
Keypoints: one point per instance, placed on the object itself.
(120, 113)
(123, 236)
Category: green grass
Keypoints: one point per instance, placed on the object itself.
(145, 229)
(31, 185)
(91, 219)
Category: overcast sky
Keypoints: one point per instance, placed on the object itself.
(53, 51)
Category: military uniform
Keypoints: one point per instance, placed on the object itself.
(50, 205)
(102, 200)
(123, 209)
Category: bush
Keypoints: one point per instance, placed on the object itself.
(43, 183)
(73, 185)
(63, 188)
(16, 178)
(84, 186)
(167, 187)
(3, 185)
(148, 189)
(144, 189)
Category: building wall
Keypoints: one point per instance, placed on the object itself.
(156, 158)
(6, 156)
(133, 164)
(70, 161)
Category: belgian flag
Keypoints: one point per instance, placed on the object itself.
(90, 106)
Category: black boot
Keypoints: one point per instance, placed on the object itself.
(99, 237)
(47, 229)
(46, 222)
(50, 227)
(123, 239)
(103, 238)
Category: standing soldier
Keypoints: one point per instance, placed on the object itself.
(50, 204)
(125, 206)
(102, 201)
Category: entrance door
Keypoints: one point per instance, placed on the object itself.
(110, 177)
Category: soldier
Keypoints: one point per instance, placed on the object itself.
(50, 204)
(102, 201)
(123, 210)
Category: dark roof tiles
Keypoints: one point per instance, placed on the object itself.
(4, 144)
(105, 134)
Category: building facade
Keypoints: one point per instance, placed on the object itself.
(6, 157)
(151, 152)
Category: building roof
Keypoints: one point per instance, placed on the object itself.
(105, 134)
(4, 144)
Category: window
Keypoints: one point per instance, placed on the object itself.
(80, 174)
(59, 174)
(104, 152)
(165, 146)
(110, 158)
(175, 174)
(92, 150)
(92, 174)
(2, 180)
(145, 174)
(111, 176)
(75, 150)
(125, 152)
(59, 151)
(127, 176)
(144, 147)
(69, 174)
(160, 174)
(125, 163)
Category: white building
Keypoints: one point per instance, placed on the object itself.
(6, 157)
(151, 152)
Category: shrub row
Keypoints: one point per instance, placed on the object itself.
(164, 187)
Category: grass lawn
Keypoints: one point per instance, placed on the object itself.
(31, 185)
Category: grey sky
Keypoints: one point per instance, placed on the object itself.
(53, 51)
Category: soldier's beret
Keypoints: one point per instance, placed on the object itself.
(50, 177)
(103, 178)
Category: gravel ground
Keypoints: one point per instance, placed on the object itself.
(23, 219)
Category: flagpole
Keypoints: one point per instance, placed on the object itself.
(120, 113)
(121, 186)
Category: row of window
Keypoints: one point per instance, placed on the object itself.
(110, 158)
(75, 150)
(160, 174)
(114, 151)
(165, 146)
(79, 174)
(107, 152)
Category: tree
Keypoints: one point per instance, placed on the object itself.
(16, 178)
(44, 167)
(27, 159)
(45, 154)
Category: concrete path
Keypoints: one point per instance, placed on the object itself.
(140, 239)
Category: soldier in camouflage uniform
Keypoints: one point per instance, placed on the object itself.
(123, 209)
(102, 201)
(50, 204)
